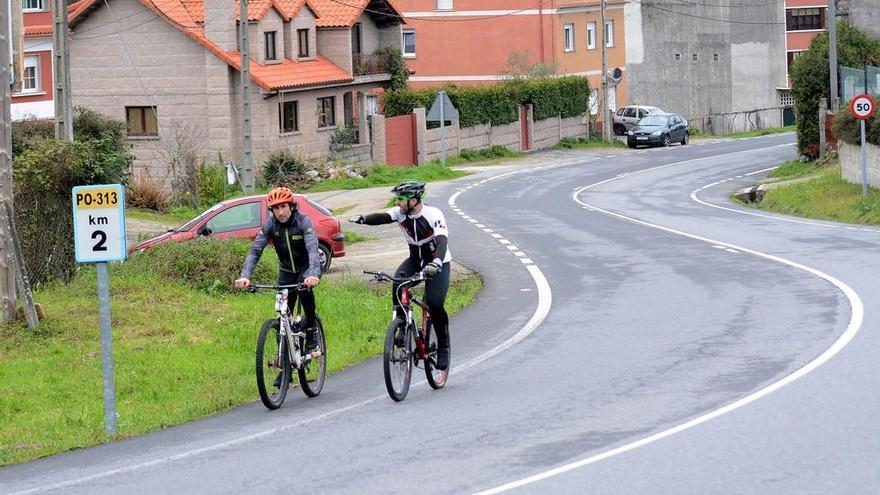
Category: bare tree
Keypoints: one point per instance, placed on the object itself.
(181, 151)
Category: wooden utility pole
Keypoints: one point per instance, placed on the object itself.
(63, 110)
(247, 157)
(606, 115)
(7, 270)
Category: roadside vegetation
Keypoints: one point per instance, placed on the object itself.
(762, 132)
(584, 143)
(183, 345)
(823, 196)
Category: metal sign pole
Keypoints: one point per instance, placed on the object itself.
(442, 131)
(864, 160)
(106, 348)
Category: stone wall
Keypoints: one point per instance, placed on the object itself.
(851, 163)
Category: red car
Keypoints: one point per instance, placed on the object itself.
(242, 218)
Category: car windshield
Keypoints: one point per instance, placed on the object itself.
(653, 120)
(192, 223)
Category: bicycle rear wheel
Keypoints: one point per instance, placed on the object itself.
(397, 362)
(311, 374)
(273, 365)
(436, 378)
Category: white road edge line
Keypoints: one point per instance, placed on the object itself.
(695, 197)
(545, 299)
(855, 323)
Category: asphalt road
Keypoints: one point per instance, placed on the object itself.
(637, 333)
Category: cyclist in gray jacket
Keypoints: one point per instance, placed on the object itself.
(296, 244)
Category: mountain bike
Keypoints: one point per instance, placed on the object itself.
(408, 343)
(281, 349)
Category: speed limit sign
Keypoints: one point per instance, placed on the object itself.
(862, 107)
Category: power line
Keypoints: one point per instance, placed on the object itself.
(729, 21)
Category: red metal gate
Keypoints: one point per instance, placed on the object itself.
(400, 142)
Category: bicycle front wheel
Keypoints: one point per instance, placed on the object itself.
(436, 378)
(311, 374)
(397, 360)
(273, 365)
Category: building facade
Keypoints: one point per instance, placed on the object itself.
(33, 99)
(170, 69)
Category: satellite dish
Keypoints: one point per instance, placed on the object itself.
(615, 74)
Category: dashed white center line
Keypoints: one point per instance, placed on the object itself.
(497, 236)
(504, 241)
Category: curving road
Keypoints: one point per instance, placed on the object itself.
(637, 333)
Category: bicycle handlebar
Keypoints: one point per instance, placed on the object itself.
(256, 287)
(382, 276)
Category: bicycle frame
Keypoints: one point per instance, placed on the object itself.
(290, 325)
(407, 299)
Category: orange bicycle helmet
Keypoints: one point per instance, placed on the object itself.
(280, 195)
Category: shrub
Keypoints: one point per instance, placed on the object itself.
(88, 125)
(846, 127)
(342, 139)
(206, 264)
(147, 193)
(212, 183)
(396, 67)
(43, 176)
(810, 79)
(284, 169)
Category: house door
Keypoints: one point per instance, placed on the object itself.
(400, 142)
(524, 127)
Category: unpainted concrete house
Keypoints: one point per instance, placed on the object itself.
(170, 69)
(704, 60)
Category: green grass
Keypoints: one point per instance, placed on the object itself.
(582, 143)
(793, 169)
(827, 197)
(389, 176)
(762, 132)
(342, 210)
(352, 237)
(179, 354)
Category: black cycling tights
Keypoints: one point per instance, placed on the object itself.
(436, 288)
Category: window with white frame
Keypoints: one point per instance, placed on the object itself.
(591, 35)
(32, 6)
(31, 81)
(568, 37)
(409, 43)
(609, 32)
(444, 4)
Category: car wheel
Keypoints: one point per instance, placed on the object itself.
(666, 140)
(631, 145)
(325, 256)
(619, 129)
(686, 139)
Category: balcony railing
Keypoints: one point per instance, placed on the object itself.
(365, 64)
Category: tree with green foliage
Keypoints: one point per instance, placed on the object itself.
(810, 78)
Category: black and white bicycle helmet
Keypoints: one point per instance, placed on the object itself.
(411, 188)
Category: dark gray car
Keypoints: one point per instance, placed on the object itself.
(659, 129)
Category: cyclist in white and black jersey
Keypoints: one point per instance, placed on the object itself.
(424, 228)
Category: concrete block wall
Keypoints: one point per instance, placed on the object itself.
(545, 134)
(359, 153)
(305, 19)
(377, 132)
(335, 44)
(851, 163)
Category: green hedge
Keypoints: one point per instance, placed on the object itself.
(499, 104)
(810, 78)
(846, 127)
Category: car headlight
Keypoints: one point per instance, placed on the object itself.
(656, 133)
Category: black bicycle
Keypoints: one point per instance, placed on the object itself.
(408, 344)
(281, 349)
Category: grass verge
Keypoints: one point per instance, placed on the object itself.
(179, 353)
(761, 132)
(352, 237)
(389, 176)
(582, 143)
(827, 197)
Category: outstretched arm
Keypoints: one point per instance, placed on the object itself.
(373, 219)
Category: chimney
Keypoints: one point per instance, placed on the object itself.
(220, 23)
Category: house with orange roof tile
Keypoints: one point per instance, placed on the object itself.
(170, 69)
(33, 99)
